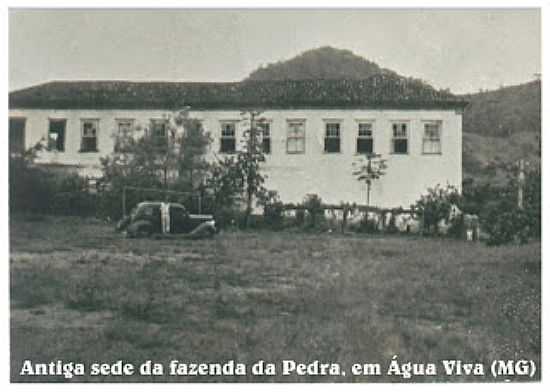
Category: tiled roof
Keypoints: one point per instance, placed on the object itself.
(377, 91)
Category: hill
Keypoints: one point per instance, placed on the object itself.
(483, 157)
(321, 63)
(504, 112)
(500, 127)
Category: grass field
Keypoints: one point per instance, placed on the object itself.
(80, 292)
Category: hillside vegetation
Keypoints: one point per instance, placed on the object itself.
(504, 112)
(321, 63)
(500, 127)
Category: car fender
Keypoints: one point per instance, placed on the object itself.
(123, 223)
(205, 229)
(140, 226)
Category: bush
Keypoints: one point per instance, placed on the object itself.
(368, 225)
(31, 189)
(39, 190)
(436, 206)
(497, 206)
(273, 209)
(476, 196)
(72, 196)
(505, 223)
(532, 202)
(314, 206)
(227, 217)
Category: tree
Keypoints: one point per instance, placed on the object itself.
(239, 178)
(30, 186)
(370, 169)
(225, 184)
(165, 154)
(192, 165)
(249, 160)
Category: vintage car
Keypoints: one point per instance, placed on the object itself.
(159, 218)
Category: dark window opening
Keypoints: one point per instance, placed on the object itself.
(88, 142)
(365, 142)
(266, 146)
(265, 131)
(17, 135)
(124, 135)
(400, 141)
(227, 146)
(365, 146)
(227, 141)
(159, 133)
(332, 145)
(56, 135)
(400, 146)
(332, 138)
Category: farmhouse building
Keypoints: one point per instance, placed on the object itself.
(315, 129)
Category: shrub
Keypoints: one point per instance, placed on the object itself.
(36, 189)
(436, 205)
(273, 209)
(227, 217)
(505, 223)
(532, 201)
(476, 196)
(31, 188)
(368, 225)
(314, 206)
(72, 197)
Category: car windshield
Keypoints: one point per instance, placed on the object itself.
(144, 209)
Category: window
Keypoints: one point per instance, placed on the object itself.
(227, 141)
(365, 142)
(296, 137)
(332, 137)
(265, 131)
(431, 142)
(159, 132)
(148, 210)
(88, 142)
(17, 135)
(125, 128)
(56, 135)
(400, 140)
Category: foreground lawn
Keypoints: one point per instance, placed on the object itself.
(80, 292)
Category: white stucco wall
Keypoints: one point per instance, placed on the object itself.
(293, 175)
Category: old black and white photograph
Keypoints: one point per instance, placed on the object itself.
(274, 195)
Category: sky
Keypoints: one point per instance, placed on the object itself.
(464, 50)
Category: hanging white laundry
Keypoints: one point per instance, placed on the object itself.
(165, 217)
